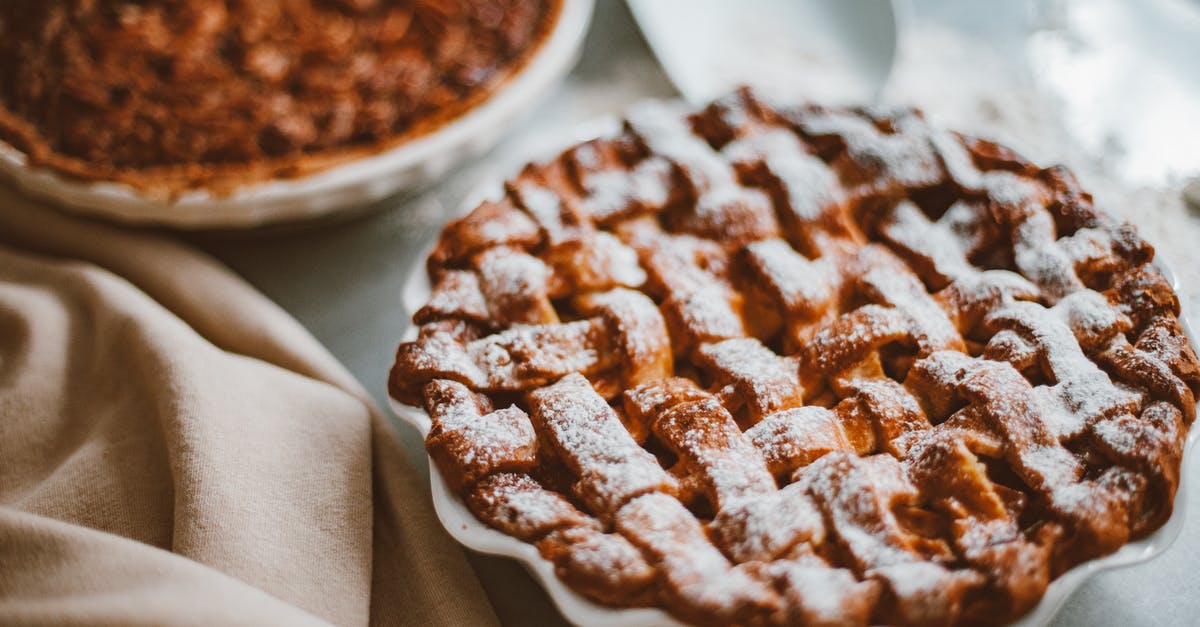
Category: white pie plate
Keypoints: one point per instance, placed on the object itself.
(462, 525)
(346, 187)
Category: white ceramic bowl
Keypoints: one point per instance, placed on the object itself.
(462, 525)
(345, 187)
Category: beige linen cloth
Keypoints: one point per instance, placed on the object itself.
(175, 449)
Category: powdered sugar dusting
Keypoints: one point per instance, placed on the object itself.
(797, 437)
(809, 183)
(907, 227)
(590, 439)
(546, 209)
(522, 354)
(917, 466)
(765, 381)
(641, 332)
(1083, 392)
(695, 572)
(612, 193)
(704, 435)
(897, 287)
(668, 134)
(512, 283)
(764, 528)
(804, 287)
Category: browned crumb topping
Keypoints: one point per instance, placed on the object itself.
(102, 89)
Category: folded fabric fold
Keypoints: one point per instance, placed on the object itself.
(176, 449)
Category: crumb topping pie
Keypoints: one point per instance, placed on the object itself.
(773, 364)
(218, 92)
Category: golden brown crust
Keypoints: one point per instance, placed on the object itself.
(169, 97)
(862, 371)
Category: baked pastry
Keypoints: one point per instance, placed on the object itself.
(214, 93)
(770, 364)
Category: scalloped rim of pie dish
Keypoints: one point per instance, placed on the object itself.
(349, 186)
(472, 533)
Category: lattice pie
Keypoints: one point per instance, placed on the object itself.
(767, 364)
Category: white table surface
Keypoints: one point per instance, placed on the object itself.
(342, 280)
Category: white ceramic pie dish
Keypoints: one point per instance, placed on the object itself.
(346, 187)
(462, 525)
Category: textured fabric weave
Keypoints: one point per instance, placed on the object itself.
(175, 449)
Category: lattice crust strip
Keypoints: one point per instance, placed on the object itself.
(771, 364)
